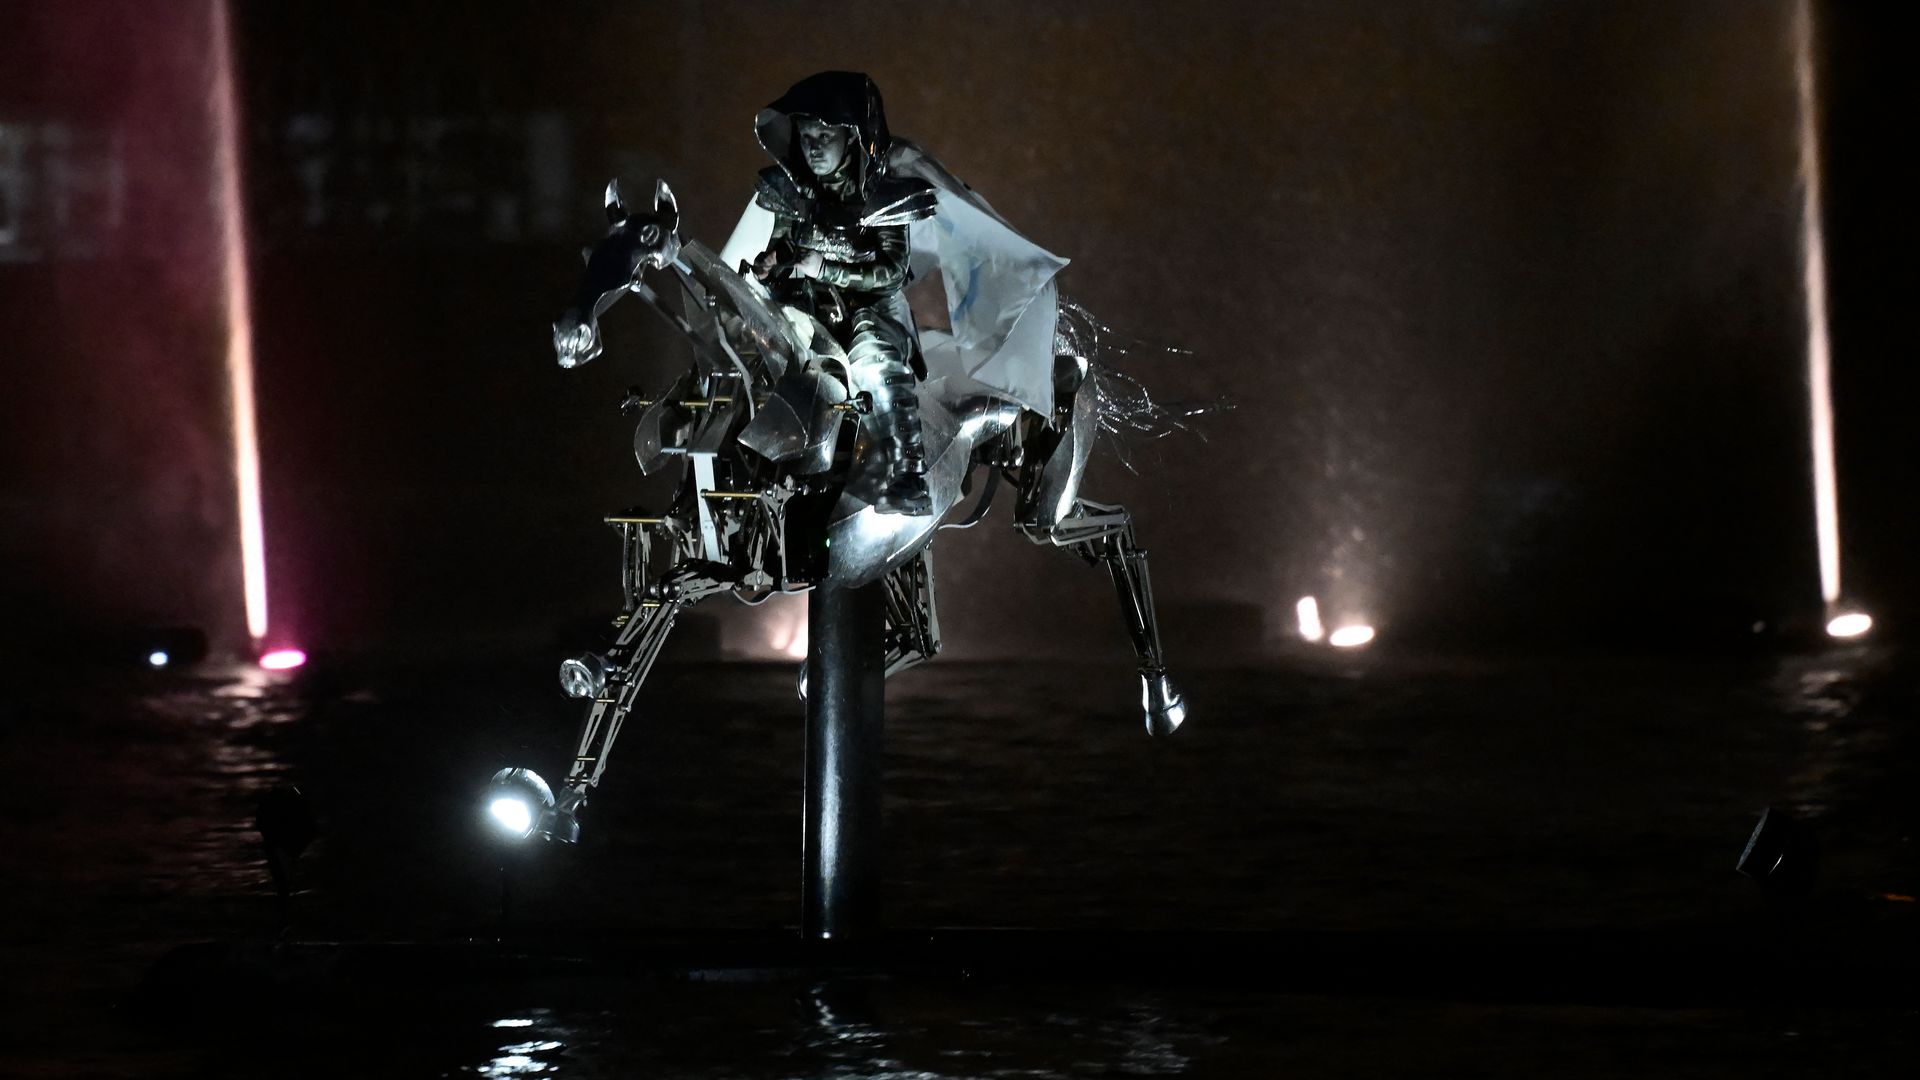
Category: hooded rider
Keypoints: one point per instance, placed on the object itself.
(839, 250)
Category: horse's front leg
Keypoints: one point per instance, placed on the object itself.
(611, 683)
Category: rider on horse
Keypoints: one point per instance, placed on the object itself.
(839, 250)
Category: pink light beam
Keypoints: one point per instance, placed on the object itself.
(1813, 263)
(239, 303)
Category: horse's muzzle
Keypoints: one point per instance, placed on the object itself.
(575, 342)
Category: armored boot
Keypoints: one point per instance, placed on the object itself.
(880, 345)
(906, 491)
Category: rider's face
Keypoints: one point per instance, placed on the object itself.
(823, 145)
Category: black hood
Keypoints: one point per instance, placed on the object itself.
(846, 98)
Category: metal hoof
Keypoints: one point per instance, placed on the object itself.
(1162, 701)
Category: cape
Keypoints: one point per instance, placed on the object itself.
(1000, 294)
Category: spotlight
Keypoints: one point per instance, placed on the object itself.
(584, 676)
(1350, 637)
(513, 815)
(151, 647)
(1850, 624)
(517, 801)
(1308, 610)
(283, 659)
(791, 641)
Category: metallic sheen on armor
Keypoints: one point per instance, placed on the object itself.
(788, 431)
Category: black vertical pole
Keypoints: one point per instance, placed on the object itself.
(846, 707)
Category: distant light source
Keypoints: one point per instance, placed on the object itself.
(1850, 625)
(1308, 609)
(796, 646)
(283, 659)
(156, 647)
(785, 628)
(1350, 637)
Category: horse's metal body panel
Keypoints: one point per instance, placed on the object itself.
(654, 441)
(797, 423)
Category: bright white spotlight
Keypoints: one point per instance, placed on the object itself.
(1308, 609)
(517, 801)
(283, 659)
(513, 815)
(1350, 637)
(1850, 625)
(158, 658)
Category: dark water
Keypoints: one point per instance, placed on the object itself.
(1398, 794)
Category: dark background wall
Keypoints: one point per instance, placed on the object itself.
(1506, 295)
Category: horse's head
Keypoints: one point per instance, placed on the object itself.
(633, 243)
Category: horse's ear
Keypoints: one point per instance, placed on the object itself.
(663, 198)
(616, 209)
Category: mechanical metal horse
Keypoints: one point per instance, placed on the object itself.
(776, 439)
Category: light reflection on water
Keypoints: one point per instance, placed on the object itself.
(851, 1044)
(516, 1064)
(1566, 795)
(231, 715)
(539, 1040)
(868, 1030)
(1824, 694)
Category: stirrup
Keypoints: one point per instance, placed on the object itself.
(907, 494)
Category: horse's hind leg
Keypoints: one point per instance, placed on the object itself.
(1102, 534)
(913, 624)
